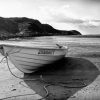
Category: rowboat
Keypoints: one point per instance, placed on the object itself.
(28, 58)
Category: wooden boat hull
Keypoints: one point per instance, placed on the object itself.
(29, 59)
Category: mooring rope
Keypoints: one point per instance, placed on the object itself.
(2, 59)
(38, 79)
(41, 79)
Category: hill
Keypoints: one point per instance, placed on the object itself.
(27, 27)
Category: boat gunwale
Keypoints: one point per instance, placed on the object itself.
(20, 46)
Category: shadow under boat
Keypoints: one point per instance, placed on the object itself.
(69, 75)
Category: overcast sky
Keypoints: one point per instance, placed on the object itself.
(83, 15)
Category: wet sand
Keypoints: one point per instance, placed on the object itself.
(75, 77)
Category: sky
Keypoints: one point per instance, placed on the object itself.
(81, 15)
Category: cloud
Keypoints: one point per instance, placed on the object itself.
(71, 15)
(89, 29)
(64, 19)
(59, 15)
(97, 20)
(64, 15)
(92, 23)
(80, 0)
(82, 15)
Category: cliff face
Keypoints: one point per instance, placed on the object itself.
(29, 27)
(8, 26)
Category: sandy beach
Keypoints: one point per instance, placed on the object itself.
(75, 77)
